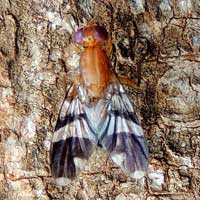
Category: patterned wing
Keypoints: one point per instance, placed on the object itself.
(73, 139)
(122, 135)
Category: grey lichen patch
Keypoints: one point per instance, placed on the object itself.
(166, 8)
(184, 7)
(178, 100)
(180, 143)
(137, 6)
(179, 106)
(157, 180)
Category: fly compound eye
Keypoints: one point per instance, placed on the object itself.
(78, 36)
(100, 33)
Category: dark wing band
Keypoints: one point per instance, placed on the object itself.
(123, 136)
(73, 140)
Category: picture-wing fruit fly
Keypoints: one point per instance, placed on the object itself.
(96, 112)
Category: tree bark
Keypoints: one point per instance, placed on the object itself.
(155, 43)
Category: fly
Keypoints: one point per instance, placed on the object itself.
(97, 111)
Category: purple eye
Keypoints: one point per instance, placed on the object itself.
(78, 36)
(100, 33)
(92, 33)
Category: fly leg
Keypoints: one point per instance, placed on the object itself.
(108, 47)
(126, 81)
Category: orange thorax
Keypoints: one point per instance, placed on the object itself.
(95, 71)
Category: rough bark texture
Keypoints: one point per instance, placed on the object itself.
(156, 43)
